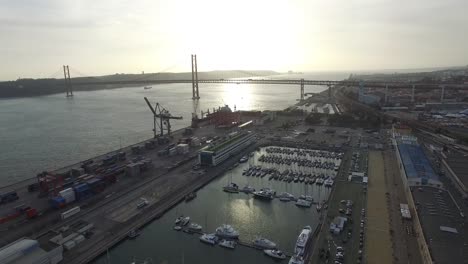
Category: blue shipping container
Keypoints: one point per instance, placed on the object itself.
(57, 202)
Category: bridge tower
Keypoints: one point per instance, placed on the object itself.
(302, 90)
(386, 94)
(67, 79)
(442, 92)
(195, 93)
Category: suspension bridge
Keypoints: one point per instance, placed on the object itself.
(150, 79)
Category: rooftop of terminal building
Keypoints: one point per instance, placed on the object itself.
(443, 226)
(229, 139)
(459, 165)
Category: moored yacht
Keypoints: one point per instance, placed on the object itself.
(264, 243)
(231, 188)
(185, 221)
(296, 260)
(243, 159)
(227, 231)
(302, 240)
(248, 189)
(228, 243)
(265, 193)
(285, 197)
(209, 239)
(195, 227)
(303, 203)
(277, 254)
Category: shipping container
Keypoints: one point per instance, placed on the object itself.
(69, 245)
(82, 191)
(68, 195)
(109, 160)
(132, 170)
(122, 155)
(8, 197)
(96, 185)
(31, 213)
(91, 168)
(70, 213)
(78, 239)
(57, 202)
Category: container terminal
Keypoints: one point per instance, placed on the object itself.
(76, 213)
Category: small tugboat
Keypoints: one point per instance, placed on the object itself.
(228, 244)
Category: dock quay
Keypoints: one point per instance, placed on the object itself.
(238, 241)
(112, 212)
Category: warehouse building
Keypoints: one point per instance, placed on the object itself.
(455, 167)
(28, 251)
(414, 166)
(220, 151)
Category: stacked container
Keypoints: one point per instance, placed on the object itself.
(132, 170)
(68, 195)
(182, 148)
(96, 185)
(82, 191)
(57, 202)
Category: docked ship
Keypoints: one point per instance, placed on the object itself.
(296, 260)
(302, 240)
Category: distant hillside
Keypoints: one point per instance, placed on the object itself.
(38, 87)
(453, 74)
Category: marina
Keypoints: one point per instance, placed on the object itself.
(252, 218)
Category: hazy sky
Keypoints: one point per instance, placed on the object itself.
(109, 36)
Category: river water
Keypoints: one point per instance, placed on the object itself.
(49, 132)
(278, 221)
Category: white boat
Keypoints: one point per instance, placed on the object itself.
(179, 220)
(133, 233)
(264, 243)
(319, 181)
(195, 227)
(296, 260)
(209, 239)
(177, 228)
(248, 189)
(302, 240)
(185, 221)
(228, 243)
(231, 188)
(307, 198)
(319, 207)
(227, 231)
(266, 193)
(285, 197)
(303, 203)
(277, 254)
(328, 182)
